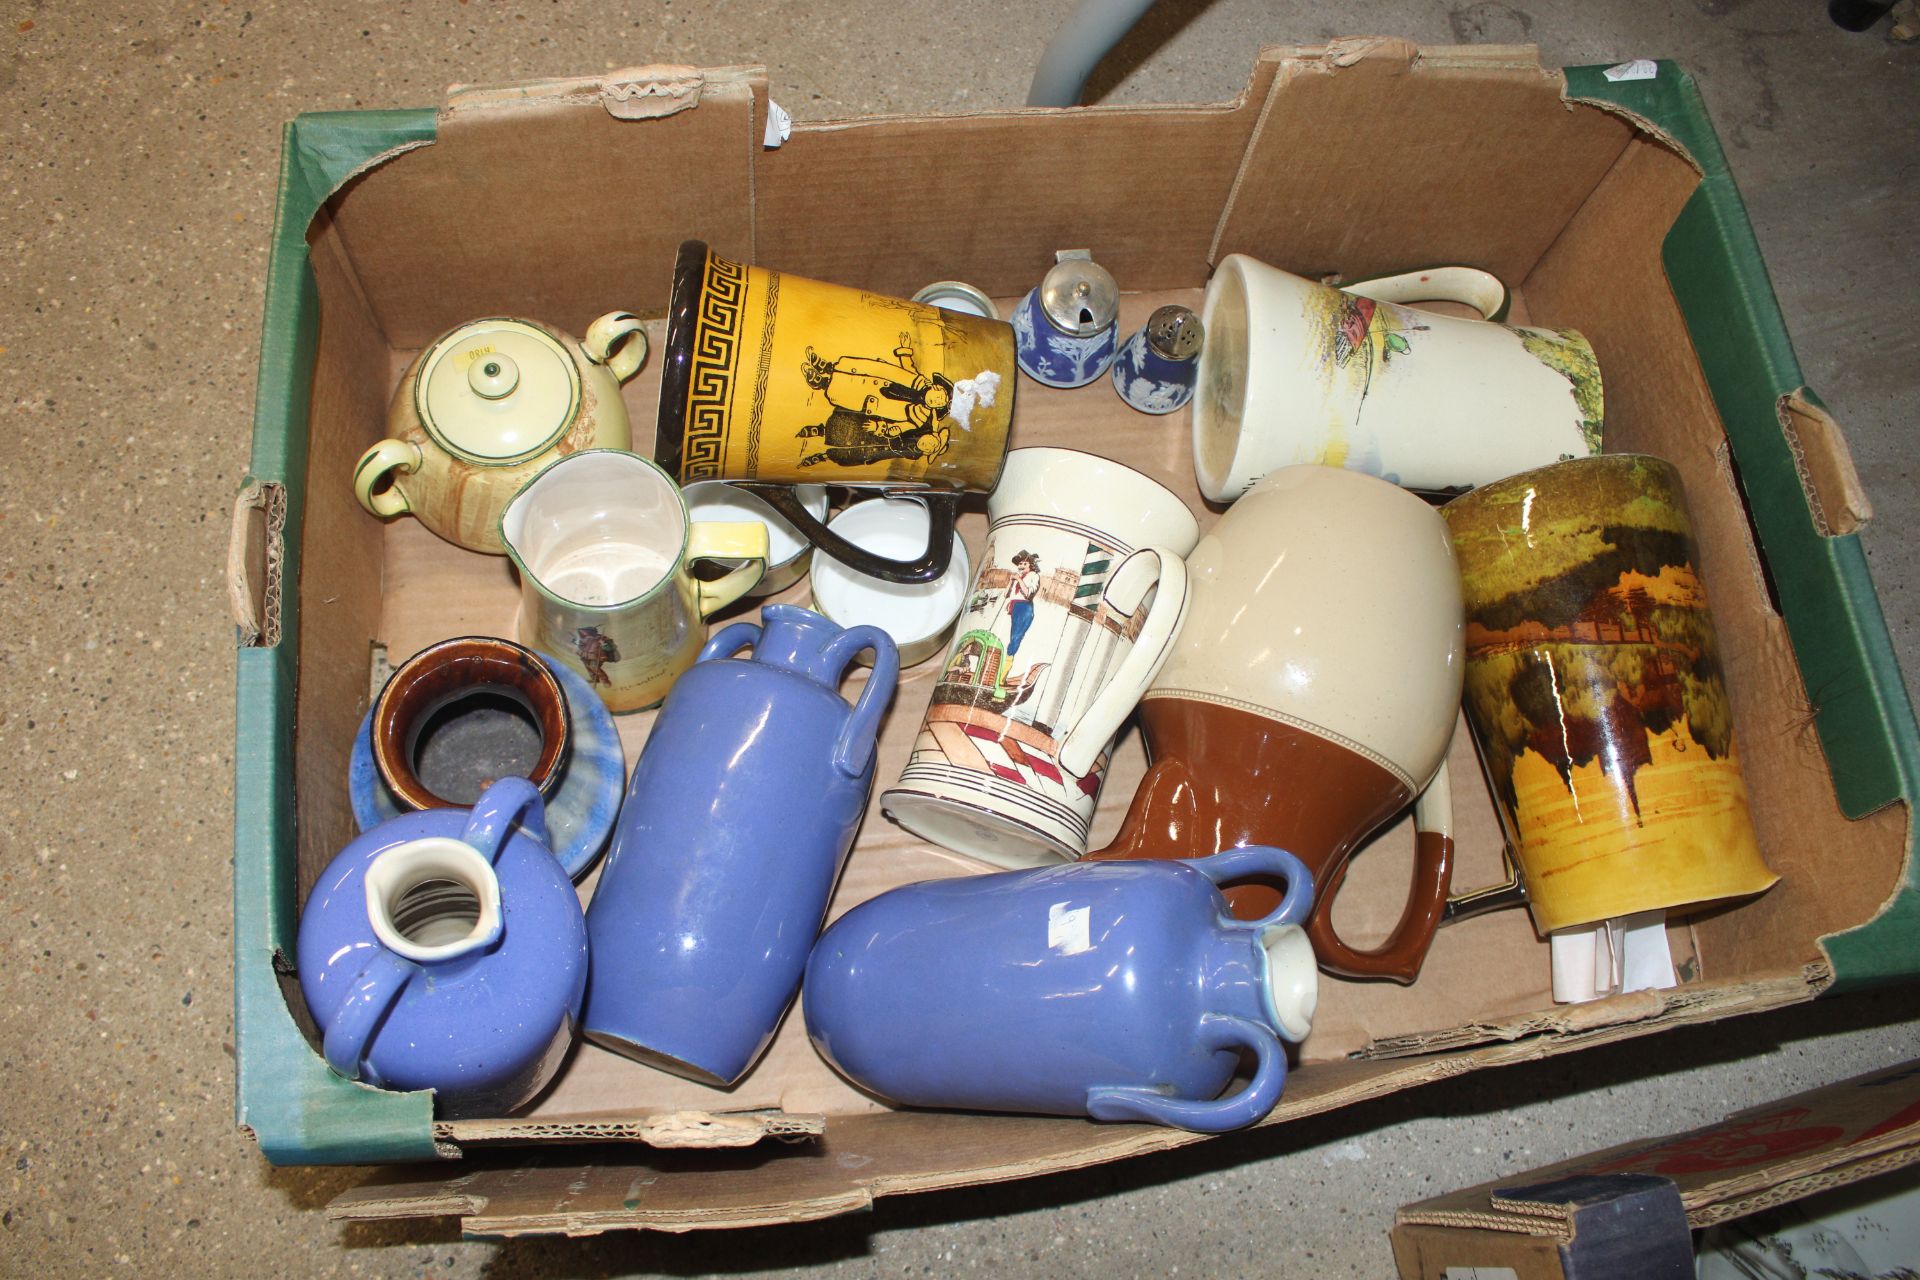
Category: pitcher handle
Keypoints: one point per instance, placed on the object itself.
(507, 802)
(1080, 745)
(854, 751)
(744, 540)
(942, 508)
(1405, 949)
(1266, 862)
(1469, 286)
(730, 640)
(1249, 1106)
(617, 340)
(369, 999)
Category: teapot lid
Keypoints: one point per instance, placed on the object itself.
(497, 391)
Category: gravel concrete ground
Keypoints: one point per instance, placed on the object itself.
(141, 147)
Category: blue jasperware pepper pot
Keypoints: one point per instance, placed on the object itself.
(1119, 990)
(739, 817)
(446, 950)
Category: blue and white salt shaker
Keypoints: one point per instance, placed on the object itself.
(1064, 330)
(1157, 366)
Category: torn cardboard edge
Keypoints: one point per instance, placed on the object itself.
(255, 551)
(703, 1130)
(1824, 463)
(649, 92)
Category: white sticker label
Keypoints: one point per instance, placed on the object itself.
(780, 124)
(1481, 1273)
(1638, 69)
(1069, 932)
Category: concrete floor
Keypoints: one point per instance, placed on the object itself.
(141, 146)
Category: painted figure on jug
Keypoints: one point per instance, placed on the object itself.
(1035, 648)
(596, 649)
(883, 409)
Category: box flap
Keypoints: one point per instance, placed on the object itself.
(1466, 113)
(1727, 1169)
(1860, 704)
(504, 170)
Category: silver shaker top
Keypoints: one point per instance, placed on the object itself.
(1174, 333)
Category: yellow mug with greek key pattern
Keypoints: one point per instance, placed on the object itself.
(772, 381)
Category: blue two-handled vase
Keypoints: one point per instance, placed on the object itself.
(1117, 990)
(741, 811)
(445, 950)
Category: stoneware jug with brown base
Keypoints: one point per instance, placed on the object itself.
(1312, 695)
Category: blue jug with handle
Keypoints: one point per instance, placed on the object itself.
(739, 816)
(1117, 990)
(445, 950)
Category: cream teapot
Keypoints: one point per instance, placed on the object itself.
(487, 407)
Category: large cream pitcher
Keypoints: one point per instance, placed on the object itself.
(488, 406)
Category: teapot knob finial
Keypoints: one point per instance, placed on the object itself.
(493, 376)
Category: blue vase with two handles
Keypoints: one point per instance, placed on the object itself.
(1117, 990)
(740, 814)
(445, 950)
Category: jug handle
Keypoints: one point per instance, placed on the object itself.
(1082, 744)
(617, 340)
(374, 991)
(389, 455)
(942, 508)
(1249, 1106)
(1266, 862)
(508, 801)
(744, 540)
(730, 640)
(854, 751)
(1469, 286)
(1405, 949)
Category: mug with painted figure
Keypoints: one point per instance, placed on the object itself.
(1079, 596)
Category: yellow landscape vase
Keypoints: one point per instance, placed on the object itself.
(1596, 695)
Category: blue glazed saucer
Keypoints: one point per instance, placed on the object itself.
(584, 803)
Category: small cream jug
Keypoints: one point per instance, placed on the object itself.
(487, 407)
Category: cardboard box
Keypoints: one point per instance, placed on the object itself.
(1606, 206)
(1621, 1206)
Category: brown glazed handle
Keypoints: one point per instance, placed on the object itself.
(1405, 949)
(942, 507)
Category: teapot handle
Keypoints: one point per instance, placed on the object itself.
(371, 995)
(854, 751)
(389, 455)
(617, 340)
(1249, 1106)
(1469, 286)
(508, 801)
(730, 640)
(1081, 745)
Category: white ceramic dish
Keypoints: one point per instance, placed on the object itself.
(919, 616)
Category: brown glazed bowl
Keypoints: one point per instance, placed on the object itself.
(470, 675)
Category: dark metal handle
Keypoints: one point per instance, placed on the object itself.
(942, 507)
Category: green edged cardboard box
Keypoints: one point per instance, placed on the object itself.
(1605, 204)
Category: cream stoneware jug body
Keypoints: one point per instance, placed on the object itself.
(445, 950)
(487, 407)
(1119, 990)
